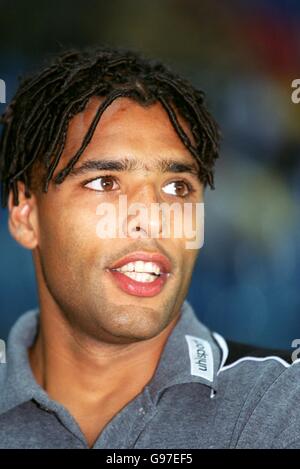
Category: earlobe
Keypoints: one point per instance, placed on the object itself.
(21, 222)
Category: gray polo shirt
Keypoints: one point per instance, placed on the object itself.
(192, 401)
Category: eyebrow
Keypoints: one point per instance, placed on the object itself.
(132, 164)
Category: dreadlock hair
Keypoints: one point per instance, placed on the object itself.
(35, 123)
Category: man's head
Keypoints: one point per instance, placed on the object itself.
(92, 126)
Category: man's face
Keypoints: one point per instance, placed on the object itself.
(73, 263)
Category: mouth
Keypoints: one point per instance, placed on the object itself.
(141, 273)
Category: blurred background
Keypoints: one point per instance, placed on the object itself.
(244, 55)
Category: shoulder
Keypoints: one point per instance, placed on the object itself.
(245, 359)
(274, 422)
(238, 350)
(262, 386)
(248, 371)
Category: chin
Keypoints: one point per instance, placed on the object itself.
(140, 323)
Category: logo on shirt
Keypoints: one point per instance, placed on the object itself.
(201, 357)
(2, 351)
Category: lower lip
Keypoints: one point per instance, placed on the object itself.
(132, 287)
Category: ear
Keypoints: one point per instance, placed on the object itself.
(23, 218)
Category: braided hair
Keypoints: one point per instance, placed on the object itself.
(36, 121)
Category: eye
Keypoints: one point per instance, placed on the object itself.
(178, 188)
(102, 184)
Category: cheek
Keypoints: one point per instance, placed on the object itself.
(68, 235)
(188, 257)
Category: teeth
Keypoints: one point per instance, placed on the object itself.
(141, 267)
(141, 277)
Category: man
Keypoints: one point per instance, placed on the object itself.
(114, 356)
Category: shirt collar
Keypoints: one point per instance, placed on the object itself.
(190, 355)
(19, 383)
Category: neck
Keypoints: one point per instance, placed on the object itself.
(82, 373)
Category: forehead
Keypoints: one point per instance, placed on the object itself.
(129, 127)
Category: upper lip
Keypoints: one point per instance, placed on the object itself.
(162, 261)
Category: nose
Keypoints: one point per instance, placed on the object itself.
(144, 216)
